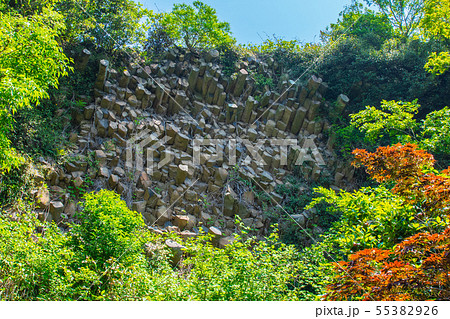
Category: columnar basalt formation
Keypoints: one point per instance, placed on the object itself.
(187, 147)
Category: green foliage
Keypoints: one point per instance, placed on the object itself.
(158, 40)
(30, 59)
(435, 25)
(196, 26)
(109, 25)
(431, 16)
(103, 258)
(108, 229)
(436, 131)
(228, 58)
(438, 63)
(435, 22)
(30, 63)
(348, 138)
(367, 25)
(370, 217)
(315, 271)
(297, 193)
(32, 264)
(397, 120)
(394, 118)
(9, 157)
(15, 186)
(275, 45)
(404, 15)
(413, 269)
(289, 56)
(262, 82)
(37, 131)
(395, 72)
(244, 270)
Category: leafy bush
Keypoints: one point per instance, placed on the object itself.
(369, 217)
(394, 118)
(435, 25)
(436, 131)
(158, 40)
(109, 255)
(348, 138)
(404, 15)
(395, 72)
(32, 264)
(276, 45)
(244, 270)
(16, 185)
(412, 174)
(108, 25)
(228, 58)
(108, 229)
(438, 63)
(397, 119)
(38, 132)
(262, 82)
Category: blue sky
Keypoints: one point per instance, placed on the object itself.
(252, 20)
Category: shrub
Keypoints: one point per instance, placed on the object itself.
(369, 217)
(16, 185)
(394, 118)
(103, 258)
(32, 264)
(245, 270)
(107, 229)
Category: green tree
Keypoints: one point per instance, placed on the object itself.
(435, 135)
(110, 25)
(394, 118)
(365, 24)
(397, 120)
(436, 25)
(404, 15)
(196, 26)
(32, 264)
(31, 61)
(436, 21)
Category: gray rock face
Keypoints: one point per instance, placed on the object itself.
(56, 209)
(298, 120)
(137, 138)
(176, 249)
(139, 206)
(182, 172)
(211, 55)
(42, 198)
(228, 204)
(240, 82)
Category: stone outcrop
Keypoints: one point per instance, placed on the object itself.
(182, 143)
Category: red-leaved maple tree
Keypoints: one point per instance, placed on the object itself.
(418, 268)
(412, 172)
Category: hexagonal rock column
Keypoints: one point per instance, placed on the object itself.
(182, 172)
